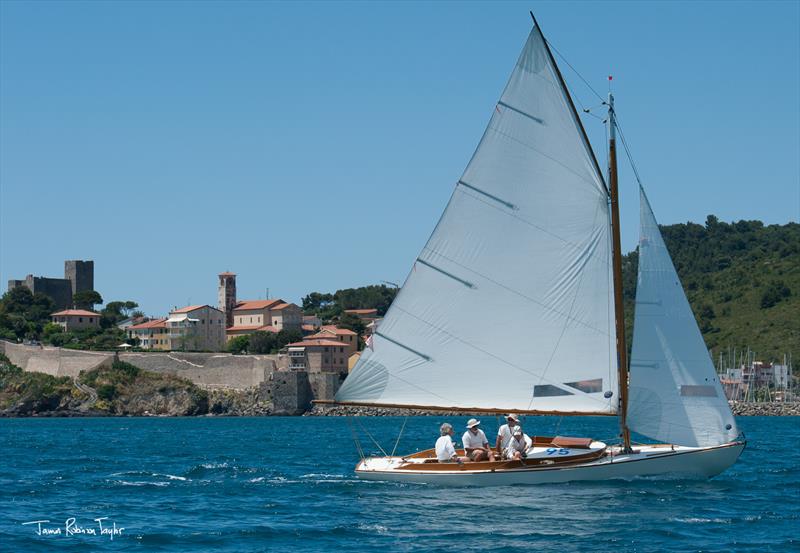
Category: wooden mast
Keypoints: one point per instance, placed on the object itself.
(619, 311)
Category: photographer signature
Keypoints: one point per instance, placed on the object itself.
(72, 528)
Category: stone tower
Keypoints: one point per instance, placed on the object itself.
(80, 274)
(227, 296)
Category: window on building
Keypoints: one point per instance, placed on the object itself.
(80, 319)
(341, 350)
(326, 349)
(91, 319)
(326, 360)
(203, 321)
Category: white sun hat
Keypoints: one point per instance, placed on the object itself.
(473, 422)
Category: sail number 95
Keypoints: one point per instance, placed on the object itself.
(557, 451)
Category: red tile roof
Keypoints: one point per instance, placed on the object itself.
(155, 323)
(281, 306)
(252, 328)
(309, 328)
(256, 304)
(338, 331)
(314, 343)
(362, 311)
(189, 308)
(227, 273)
(76, 312)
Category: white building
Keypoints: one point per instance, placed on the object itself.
(196, 328)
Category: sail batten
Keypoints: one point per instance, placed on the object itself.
(510, 301)
(675, 394)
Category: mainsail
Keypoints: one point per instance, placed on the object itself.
(509, 305)
(675, 395)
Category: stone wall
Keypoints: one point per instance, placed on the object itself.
(290, 392)
(325, 385)
(54, 361)
(208, 370)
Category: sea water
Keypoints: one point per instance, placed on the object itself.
(287, 484)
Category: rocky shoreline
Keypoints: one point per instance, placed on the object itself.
(740, 409)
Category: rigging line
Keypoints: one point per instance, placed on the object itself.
(492, 355)
(573, 69)
(627, 150)
(374, 441)
(350, 424)
(399, 436)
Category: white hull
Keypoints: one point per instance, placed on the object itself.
(646, 461)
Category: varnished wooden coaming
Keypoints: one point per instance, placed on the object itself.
(430, 464)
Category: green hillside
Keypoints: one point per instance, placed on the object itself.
(742, 280)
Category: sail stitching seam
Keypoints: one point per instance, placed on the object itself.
(520, 294)
(527, 222)
(537, 150)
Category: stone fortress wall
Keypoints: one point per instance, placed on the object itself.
(291, 392)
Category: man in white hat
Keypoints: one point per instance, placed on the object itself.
(445, 452)
(505, 432)
(475, 443)
(518, 446)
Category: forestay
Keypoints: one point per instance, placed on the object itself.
(510, 303)
(675, 395)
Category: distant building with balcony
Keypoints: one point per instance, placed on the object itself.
(196, 328)
(743, 382)
(264, 316)
(76, 319)
(343, 335)
(151, 334)
(318, 356)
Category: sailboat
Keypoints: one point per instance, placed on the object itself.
(514, 305)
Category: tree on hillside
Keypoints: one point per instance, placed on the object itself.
(23, 315)
(239, 344)
(330, 306)
(116, 311)
(261, 342)
(775, 292)
(352, 322)
(86, 299)
(731, 272)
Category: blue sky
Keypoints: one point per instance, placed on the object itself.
(312, 146)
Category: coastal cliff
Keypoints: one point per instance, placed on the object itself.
(119, 390)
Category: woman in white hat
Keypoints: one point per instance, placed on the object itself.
(475, 443)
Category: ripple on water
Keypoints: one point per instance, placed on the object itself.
(235, 485)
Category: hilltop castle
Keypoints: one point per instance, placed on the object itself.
(78, 277)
